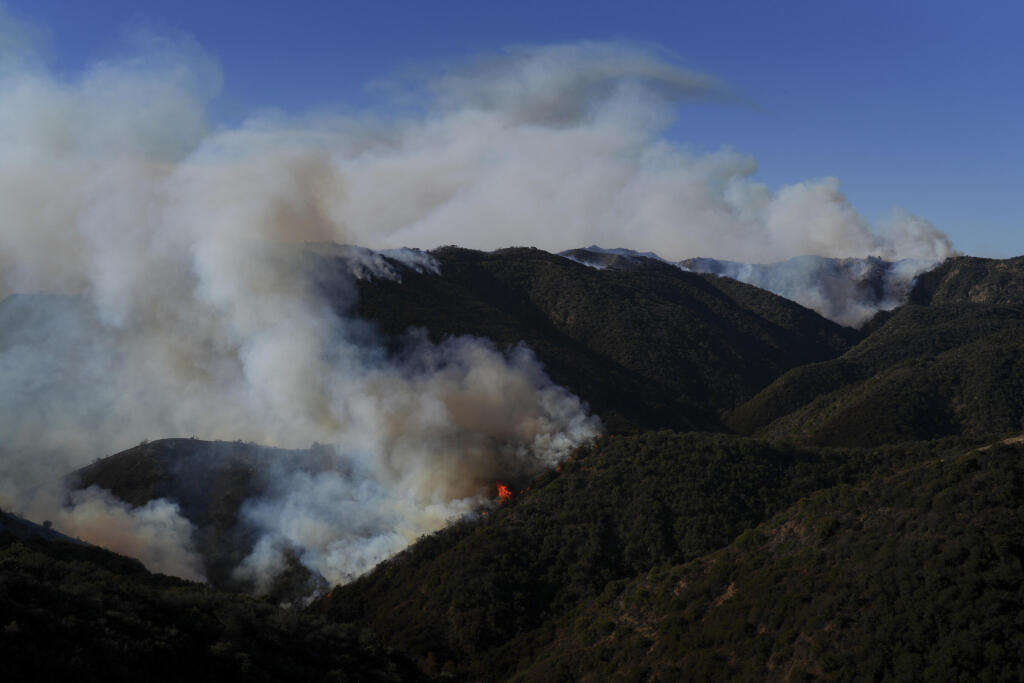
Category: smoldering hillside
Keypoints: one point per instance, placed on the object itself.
(156, 284)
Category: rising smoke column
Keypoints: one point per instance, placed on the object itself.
(160, 289)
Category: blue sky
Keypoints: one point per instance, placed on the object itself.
(915, 104)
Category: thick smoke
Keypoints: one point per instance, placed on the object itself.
(160, 287)
(560, 147)
(155, 533)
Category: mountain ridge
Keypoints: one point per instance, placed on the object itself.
(950, 365)
(674, 553)
(597, 332)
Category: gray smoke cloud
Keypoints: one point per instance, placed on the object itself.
(159, 286)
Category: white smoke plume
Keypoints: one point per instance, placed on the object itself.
(156, 533)
(155, 294)
(848, 291)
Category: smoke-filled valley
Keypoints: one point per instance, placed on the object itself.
(242, 356)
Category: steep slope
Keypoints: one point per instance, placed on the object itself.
(950, 363)
(76, 612)
(969, 279)
(480, 595)
(648, 346)
(849, 291)
(908, 576)
(14, 527)
(927, 372)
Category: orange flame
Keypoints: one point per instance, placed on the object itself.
(504, 493)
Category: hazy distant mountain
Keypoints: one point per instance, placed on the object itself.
(596, 257)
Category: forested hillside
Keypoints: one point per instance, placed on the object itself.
(649, 346)
(774, 497)
(478, 597)
(952, 367)
(608, 568)
(969, 279)
(70, 611)
(911, 575)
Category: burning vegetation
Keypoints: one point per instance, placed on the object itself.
(504, 493)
